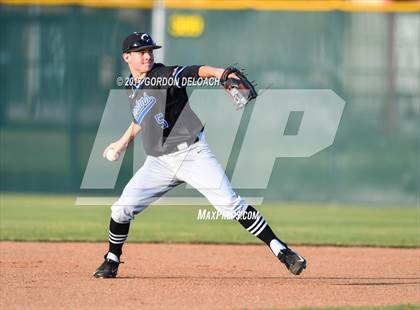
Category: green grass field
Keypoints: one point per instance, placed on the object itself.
(57, 218)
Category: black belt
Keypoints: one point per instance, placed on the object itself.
(188, 142)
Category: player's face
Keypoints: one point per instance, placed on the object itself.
(141, 61)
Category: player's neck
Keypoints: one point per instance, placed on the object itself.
(138, 75)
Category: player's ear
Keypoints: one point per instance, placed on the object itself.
(126, 57)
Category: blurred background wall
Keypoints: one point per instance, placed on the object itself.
(59, 62)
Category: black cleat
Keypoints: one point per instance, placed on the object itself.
(293, 261)
(108, 269)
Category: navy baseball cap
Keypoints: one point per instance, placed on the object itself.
(138, 41)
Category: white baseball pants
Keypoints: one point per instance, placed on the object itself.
(195, 165)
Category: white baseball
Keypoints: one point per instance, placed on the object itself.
(111, 155)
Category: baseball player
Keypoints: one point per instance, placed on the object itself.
(173, 138)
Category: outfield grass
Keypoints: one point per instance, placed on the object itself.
(56, 218)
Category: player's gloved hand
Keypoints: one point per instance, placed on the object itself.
(238, 87)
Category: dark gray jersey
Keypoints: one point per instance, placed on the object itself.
(159, 103)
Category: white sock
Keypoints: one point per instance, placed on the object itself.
(276, 246)
(113, 257)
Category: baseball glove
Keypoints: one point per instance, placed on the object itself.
(241, 90)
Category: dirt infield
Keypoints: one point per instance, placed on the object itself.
(183, 276)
